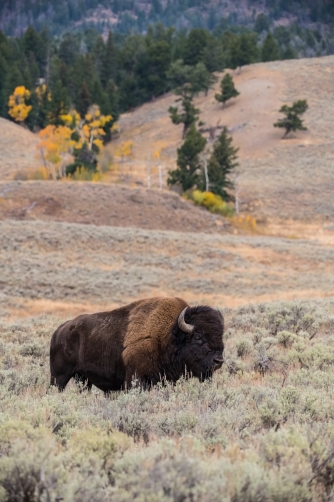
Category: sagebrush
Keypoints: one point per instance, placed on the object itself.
(261, 430)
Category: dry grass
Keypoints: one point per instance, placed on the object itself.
(105, 204)
(99, 267)
(279, 179)
(17, 149)
(261, 430)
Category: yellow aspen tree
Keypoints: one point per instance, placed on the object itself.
(18, 109)
(55, 147)
(72, 120)
(92, 129)
(42, 93)
(125, 149)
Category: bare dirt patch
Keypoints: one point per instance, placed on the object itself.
(105, 204)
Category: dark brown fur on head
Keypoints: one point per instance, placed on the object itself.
(201, 350)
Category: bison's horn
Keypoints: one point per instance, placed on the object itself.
(187, 328)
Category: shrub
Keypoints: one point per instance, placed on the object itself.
(212, 202)
(244, 347)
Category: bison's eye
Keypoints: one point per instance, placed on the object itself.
(198, 340)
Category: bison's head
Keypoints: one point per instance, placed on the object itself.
(199, 336)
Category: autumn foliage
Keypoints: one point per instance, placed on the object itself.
(61, 145)
(55, 146)
(18, 109)
(212, 202)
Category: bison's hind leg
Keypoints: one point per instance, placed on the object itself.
(82, 382)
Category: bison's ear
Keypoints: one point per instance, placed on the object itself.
(186, 328)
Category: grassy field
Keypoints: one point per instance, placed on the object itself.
(261, 430)
(62, 267)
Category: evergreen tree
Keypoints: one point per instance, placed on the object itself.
(289, 53)
(188, 173)
(214, 55)
(292, 120)
(99, 97)
(178, 74)
(261, 23)
(195, 45)
(189, 114)
(158, 61)
(69, 49)
(109, 68)
(83, 100)
(201, 79)
(270, 49)
(59, 103)
(112, 94)
(243, 50)
(3, 80)
(221, 164)
(228, 90)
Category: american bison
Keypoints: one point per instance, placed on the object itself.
(151, 339)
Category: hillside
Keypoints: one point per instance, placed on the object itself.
(278, 179)
(17, 149)
(124, 16)
(105, 204)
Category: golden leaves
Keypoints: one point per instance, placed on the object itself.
(18, 109)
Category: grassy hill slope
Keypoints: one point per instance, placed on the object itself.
(288, 179)
(17, 149)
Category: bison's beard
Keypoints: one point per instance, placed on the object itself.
(207, 374)
(202, 374)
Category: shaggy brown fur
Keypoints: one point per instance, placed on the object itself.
(141, 340)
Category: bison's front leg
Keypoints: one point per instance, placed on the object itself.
(143, 382)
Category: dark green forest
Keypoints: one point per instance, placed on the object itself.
(125, 15)
(120, 72)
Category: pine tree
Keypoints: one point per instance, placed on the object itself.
(189, 114)
(195, 45)
(228, 90)
(201, 79)
(3, 79)
(261, 23)
(221, 164)
(243, 50)
(83, 100)
(112, 93)
(292, 120)
(270, 49)
(108, 67)
(188, 172)
(59, 103)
